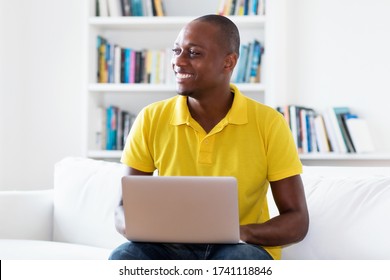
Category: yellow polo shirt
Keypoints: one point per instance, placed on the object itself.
(252, 143)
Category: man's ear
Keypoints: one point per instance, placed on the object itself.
(231, 61)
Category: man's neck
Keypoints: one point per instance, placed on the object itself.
(208, 112)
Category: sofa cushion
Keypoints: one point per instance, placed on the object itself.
(348, 210)
(11, 249)
(86, 193)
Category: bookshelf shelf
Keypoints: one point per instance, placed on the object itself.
(163, 23)
(335, 159)
(96, 87)
(102, 154)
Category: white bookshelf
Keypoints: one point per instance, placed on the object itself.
(160, 32)
(151, 33)
(334, 159)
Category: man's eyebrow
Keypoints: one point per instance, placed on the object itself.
(189, 44)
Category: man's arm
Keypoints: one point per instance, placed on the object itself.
(119, 214)
(293, 221)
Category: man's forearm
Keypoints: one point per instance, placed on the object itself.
(280, 230)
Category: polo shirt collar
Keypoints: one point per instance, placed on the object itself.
(237, 114)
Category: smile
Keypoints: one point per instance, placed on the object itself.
(183, 76)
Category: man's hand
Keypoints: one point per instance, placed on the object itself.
(120, 220)
(292, 223)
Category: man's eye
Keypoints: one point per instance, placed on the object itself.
(193, 53)
(176, 51)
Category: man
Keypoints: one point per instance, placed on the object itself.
(211, 129)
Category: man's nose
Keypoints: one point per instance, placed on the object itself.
(179, 59)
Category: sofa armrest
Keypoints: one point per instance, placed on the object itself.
(26, 214)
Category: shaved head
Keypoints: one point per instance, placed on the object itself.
(228, 34)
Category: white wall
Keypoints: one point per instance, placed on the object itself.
(41, 85)
(338, 54)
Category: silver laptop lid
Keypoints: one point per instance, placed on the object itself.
(181, 209)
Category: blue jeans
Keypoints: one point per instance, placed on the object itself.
(169, 251)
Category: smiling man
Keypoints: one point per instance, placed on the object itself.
(211, 129)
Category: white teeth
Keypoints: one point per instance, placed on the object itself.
(183, 76)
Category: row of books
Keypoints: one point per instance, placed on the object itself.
(336, 130)
(248, 68)
(126, 8)
(118, 64)
(113, 126)
(241, 7)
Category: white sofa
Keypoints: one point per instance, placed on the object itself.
(75, 220)
(349, 209)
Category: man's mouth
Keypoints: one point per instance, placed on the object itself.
(183, 75)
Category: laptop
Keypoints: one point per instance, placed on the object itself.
(181, 209)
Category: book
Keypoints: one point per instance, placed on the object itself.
(127, 65)
(110, 62)
(302, 126)
(148, 8)
(126, 125)
(136, 7)
(226, 7)
(100, 128)
(292, 111)
(248, 62)
(285, 112)
(303, 131)
(254, 76)
(103, 8)
(343, 118)
(360, 134)
(340, 112)
(111, 129)
(102, 72)
(232, 10)
(253, 8)
(321, 134)
(119, 129)
(260, 10)
(117, 64)
(138, 67)
(159, 8)
(125, 7)
(221, 7)
(128, 120)
(334, 129)
(114, 8)
(308, 135)
(132, 66)
(331, 134)
(239, 71)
